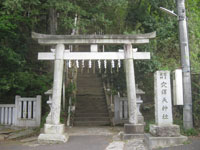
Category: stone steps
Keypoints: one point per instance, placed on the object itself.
(90, 97)
(93, 103)
(98, 115)
(91, 123)
(90, 87)
(93, 91)
(92, 111)
(94, 84)
(91, 76)
(91, 107)
(85, 87)
(92, 119)
(86, 82)
(93, 94)
(90, 103)
(84, 78)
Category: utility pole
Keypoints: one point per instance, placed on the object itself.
(185, 61)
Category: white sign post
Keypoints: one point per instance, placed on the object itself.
(177, 87)
(163, 126)
(163, 133)
(163, 102)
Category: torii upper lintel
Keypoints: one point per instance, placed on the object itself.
(47, 39)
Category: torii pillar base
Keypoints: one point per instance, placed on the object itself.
(133, 131)
(53, 134)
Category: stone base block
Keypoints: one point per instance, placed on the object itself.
(152, 142)
(165, 131)
(54, 129)
(53, 138)
(133, 129)
(124, 136)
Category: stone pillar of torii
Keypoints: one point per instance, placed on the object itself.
(54, 131)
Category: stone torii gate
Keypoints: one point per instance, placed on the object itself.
(54, 131)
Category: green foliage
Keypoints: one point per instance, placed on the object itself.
(147, 125)
(17, 67)
(63, 117)
(191, 132)
(21, 73)
(43, 119)
(196, 99)
(71, 88)
(73, 101)
(193, 12)
(188, 132)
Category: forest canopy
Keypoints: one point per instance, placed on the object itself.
(20, 71)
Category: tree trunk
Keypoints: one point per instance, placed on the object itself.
(53, 20)
(52, 30)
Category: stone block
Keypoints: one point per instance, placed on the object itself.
(54, 129)
(2, 137)
(125, 136)
(53, 138)
(133, 129)
(163, 104)
(53, 134)
(22, 133)
(165, 131)
(152, 142)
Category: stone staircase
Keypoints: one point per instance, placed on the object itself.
(91, 107)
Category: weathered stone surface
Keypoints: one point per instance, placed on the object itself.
(29, 139)
(163, 106)
(53, 134)
(133, 129)
(92, 39)
(53, 138)
(2, 137)
(22, 134)
(134, 144)
(152, 142)
(57, 84)
(165, 131)
(125, 136)
(130, 82)
(54, 129)
(115, 145)
(7, 131)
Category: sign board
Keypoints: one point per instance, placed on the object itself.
(177, 87)
(163, 105)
